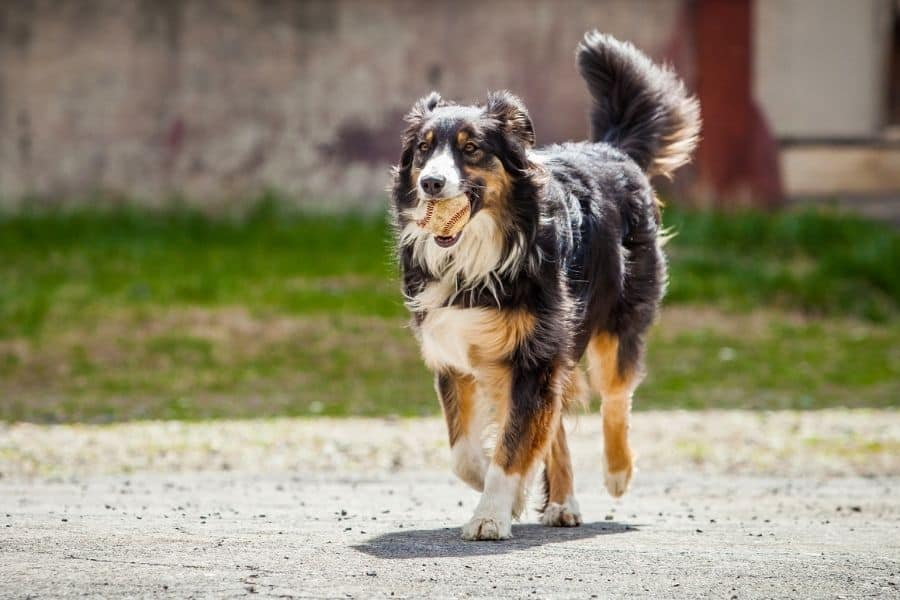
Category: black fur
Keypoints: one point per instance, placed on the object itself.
(585, 212)
(639, 108)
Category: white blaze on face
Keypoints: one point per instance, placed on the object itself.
(443, 165)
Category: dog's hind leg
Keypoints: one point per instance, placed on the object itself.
(615, 380)
(457, 393)
(560, 508)
(529, 400)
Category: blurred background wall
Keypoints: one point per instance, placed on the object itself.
(216, 100)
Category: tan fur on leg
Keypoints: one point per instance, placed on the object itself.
(464, 428)
(615, 389)
(575, 391)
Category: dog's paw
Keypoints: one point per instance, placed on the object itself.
(562, 515)
(487, 528)
(617, 482)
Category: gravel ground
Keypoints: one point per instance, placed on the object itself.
(729, 505)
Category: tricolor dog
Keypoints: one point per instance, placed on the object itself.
(517, 261)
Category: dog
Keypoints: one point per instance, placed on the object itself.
(517, 261)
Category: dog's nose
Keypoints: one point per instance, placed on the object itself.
(433, 184)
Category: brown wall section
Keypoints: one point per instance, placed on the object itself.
(220, 99)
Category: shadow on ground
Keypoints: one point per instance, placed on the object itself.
(435, 543)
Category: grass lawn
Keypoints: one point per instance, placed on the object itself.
(124, 315)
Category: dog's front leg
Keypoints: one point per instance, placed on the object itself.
(528, 401)
(464, 426)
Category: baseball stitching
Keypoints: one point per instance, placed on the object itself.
(429, 210)
(453, 220)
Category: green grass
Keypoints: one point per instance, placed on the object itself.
(57, 267)
(122, 315)
(818, 263)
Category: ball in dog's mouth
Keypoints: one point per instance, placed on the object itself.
(445, 219)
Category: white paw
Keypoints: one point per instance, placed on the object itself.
(493, 516)
(562, 515)
(617, 482)
(487, 528)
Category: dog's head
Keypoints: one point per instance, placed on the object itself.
(451, 150)
(480, 152)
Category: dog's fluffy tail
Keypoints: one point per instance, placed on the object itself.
(640, 108)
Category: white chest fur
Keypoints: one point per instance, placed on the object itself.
(447, 335)
(467, 339)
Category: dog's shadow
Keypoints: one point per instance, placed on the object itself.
(436, 543)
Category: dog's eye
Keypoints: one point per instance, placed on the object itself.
(423, 147)
(470, 148)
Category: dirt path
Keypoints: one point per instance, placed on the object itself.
(781, 505)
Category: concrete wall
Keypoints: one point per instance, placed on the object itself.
(822, 79)
(218, 99)
(821, 66)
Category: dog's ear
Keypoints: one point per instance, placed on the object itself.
(420, 111)
(425, 105)
(414, 119)
(510, 111)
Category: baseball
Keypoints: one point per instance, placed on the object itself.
(446, 217)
